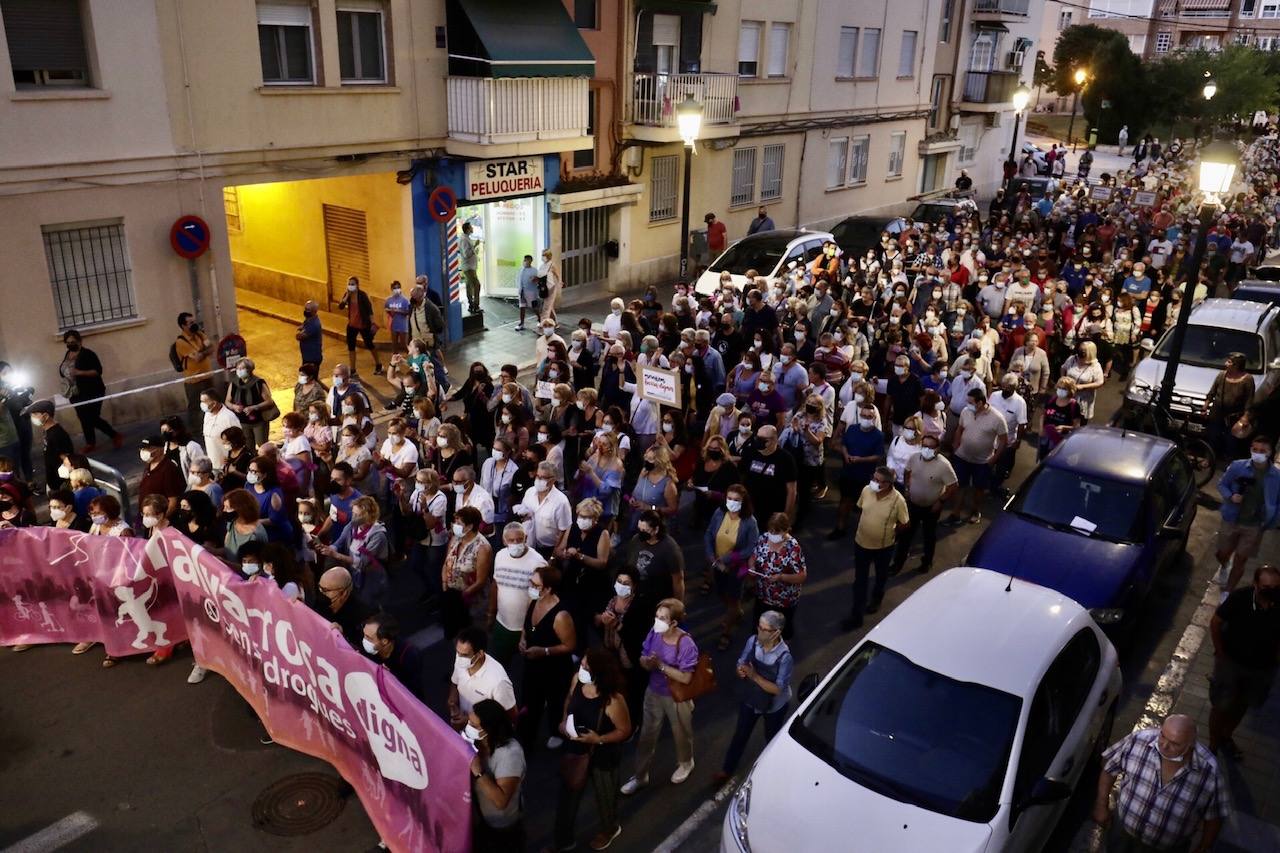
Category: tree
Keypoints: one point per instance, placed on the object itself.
(1247, 80)
(1116, 77)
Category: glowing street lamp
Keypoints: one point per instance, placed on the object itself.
(1021, 96)
(689, 122)
(1080, 77)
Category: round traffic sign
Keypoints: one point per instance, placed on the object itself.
(189, 236)
(442, 204)
(231, 349)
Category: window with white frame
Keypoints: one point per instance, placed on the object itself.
(936, 93)
(1121, 8)
(749, 49)
(837, 161)
(897, 152)
(771, 172)
(1163, 42)
(1269, 10)
(1247, 7)
(1240, 38)
(968, 142)
(779, 41)
(743, 190)
(1064, 19)
(869, 53)
(859, 153)
(231, 208)
(285, 43)
(848, 51)
(1264, 43)
(662, 187)
(944, 26)
(907, 54)
(46, 43)
(1137, 43)
(90, 274)
(361, 43)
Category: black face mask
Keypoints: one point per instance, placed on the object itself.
(813, 410)
(336, 489)
(648, 466)
(73, 347)
(715, 455)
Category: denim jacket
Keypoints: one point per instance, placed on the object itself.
(748, 535)
(1271, 491)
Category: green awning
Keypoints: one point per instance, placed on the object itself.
(704, 7)
(515, 38)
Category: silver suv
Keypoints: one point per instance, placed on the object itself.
(1218, 328)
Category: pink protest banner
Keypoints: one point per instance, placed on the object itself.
(60, 586)
(311, 690)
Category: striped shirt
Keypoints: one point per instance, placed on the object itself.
(1164, 815)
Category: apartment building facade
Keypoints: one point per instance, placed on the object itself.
(1156, 27)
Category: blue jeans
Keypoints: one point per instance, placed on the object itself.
(747, 717)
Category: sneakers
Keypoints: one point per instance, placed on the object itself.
(682, 772)
(519, 327)
(554, 742)
(197, 674)
(635, 783)
(602, 840)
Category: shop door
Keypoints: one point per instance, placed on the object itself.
(508, 230)
(584, 260)
(346, 241)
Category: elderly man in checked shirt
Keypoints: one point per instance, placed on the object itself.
(1170, 791)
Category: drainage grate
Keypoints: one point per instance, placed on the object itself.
(299, 805)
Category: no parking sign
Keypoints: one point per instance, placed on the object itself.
(442, 204)
(189, 237)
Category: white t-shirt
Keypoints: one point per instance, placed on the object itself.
(437, 505)
(849, 414)
(296, 446)
(1159, 251)
(481, 500)
(405, 454)
(544, 522)
(490, 681)
(512, 578)
(214, 424)
(1013, 408)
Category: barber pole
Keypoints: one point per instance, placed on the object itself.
(453, 260)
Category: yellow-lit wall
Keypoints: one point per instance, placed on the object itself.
(280, 250)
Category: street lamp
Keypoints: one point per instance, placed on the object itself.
(689, 121)
(1218, 163)
(1210, 89)
(1020, 97)
(1080, 77)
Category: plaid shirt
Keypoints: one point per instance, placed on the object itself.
(1164, 815)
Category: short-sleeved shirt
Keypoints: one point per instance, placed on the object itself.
(490, 681)
(682, 656)
(929, 477)
(505, 762)
(878, 525)
(1250, 634)
(766, 478)
(1013, 408)
(512, 574)
(655, 565)
(164, 479)
(187, 347)
(981, 429)
(547, 519)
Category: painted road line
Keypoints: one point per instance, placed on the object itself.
(691, 824)
(56, 835)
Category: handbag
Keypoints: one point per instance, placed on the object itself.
(574, 765)
(542, 286)
(702, 683)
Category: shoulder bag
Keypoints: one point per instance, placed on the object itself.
(702, 683)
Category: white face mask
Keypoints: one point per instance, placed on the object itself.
(548, 331)
(927, 453)
(668, 427)
(460, 662)
(775, 538)
(242, 373)
(204, 407)
(472, 734)
(866, 423)
(542, 485)
(1177, 759)
(314, 417)
(909, 434)
(252, 478)
(348, 409)
(732, 505)
(584, 675)
(901, 371)
(506, 419)
(499, 455)
(535, 593)
(1258, 458)
(144, 455)
(57, 514)
(855, 377)
(252, 569)
(661, 626)
(351, 288)
(606, 428)
(459, 488)
(64, 473)
(553, 374)
(303, 379)
(1062, 393)
(585, 523)
(799, 336)
(442, 441)
(98, 519)
(622, 590)
(506, 398)
(517, 549)
(369, 646)
(150, 521)
(458, 530)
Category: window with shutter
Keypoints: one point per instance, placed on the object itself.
(869, 54)
(848, 51)
(837, 154)
(285, 44)
(666, 41)
(361, 49)
(46, 43)
(907, 54)
(859, 151)
(662, 187)
(346, 240)
(749, 49)
(779, 41)
(90, 273)
(744, 177)
(897, 151)
(771, 172)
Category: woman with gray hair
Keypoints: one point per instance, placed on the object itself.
(765, 668)
(249, 396)
(200, 477)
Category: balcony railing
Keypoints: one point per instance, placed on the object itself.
(989, 87)
(656, 96)
(517, 109)
(1001, 7)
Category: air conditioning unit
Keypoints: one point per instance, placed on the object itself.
(1013, 59)
(993, 120)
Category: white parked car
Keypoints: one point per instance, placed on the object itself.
(769, 253)
(960, 723)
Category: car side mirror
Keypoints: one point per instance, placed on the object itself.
(807, 685)
(1044, 792)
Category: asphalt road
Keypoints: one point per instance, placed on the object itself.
(165, 765)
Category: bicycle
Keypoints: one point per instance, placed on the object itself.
(1166, 424)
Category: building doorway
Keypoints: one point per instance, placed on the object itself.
(509, 229)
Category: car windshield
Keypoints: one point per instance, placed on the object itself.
(857, 234)
(931, 212)
(912, 734)
(759, 255)
(1265, 293)
(1067, 500)
(1209, 346)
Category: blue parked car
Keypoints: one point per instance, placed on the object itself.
(1097, 520)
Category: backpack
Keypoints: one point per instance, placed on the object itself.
(174, 358)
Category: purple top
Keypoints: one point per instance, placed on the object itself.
(683, 656)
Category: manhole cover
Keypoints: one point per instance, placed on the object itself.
(298, 805)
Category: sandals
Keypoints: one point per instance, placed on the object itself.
(107, 663)
(81, 648)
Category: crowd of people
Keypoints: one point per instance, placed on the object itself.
(537, 520)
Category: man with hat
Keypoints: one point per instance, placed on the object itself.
(161, 476)
(57, 441)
